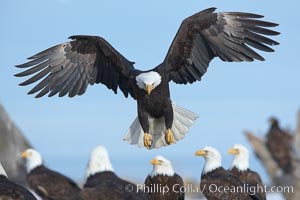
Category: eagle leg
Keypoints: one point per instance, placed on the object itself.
(169, 137)
(147, 140)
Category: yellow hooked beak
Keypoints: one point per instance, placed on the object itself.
(233, 151)
(24, 154)
(155, 162)
(201, 153)
(149, 89)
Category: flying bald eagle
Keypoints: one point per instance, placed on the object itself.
(240, 169)
(12, 191)
(70, 67)
(163, 183)
(279, 143)
(48, 184)
(102, 183)
(215, 179)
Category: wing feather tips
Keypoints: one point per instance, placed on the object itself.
(81, 53)
(32, 62)
(43, 92)
(260, 38)
(261, 30)
(256, 22)
(36, 77)
(42, 84)
(256, 44)
(242, 15)
(242, 29)
(34, 69)
(245, 24)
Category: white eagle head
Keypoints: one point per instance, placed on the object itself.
(33, 159)
(240, 157)
(99, 161)
(161, 166)
(148, 81)
(212, 157)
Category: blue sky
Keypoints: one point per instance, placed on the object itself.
(230, 98)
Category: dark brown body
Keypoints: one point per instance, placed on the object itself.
(213, 186)
(156, 185)
(108, 186)
(252, 179)
(279, 144)
(156, 105)
(12, 191)
(51, 185)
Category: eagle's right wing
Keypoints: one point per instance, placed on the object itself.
(70, 67)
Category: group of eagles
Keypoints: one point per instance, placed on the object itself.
(102, 183)
(68, 69)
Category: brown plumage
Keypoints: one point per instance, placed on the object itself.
(216, 182)
(51, 185)
(102, 183)
(48, 184)
(253, 180)
(70, 67)
(107, 185)
(158, 182)
(163, 183)
(102, 193)
(279, 143)
(240, 169)
(12, 191)
(218, 179)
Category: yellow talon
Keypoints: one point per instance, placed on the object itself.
(147, 140)
(169, 137)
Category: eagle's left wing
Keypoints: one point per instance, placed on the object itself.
(205, 35)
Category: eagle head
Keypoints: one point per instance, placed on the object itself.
(213, 158)
(241, 157)
(33, 159)
(148, 81)
(274, 121)
(161, 166)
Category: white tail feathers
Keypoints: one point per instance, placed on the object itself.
(183, 119)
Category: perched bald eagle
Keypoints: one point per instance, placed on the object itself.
(102, 183)
(216, 182)
(70, 67)
(279, 143)
(12, 191)
(163, 183)
(48, 184)
(240, 169)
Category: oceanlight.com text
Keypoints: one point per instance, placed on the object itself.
(191, 188)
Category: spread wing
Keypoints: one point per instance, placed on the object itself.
(205, 35)
(70, 67)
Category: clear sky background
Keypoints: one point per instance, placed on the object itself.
(230, 98)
